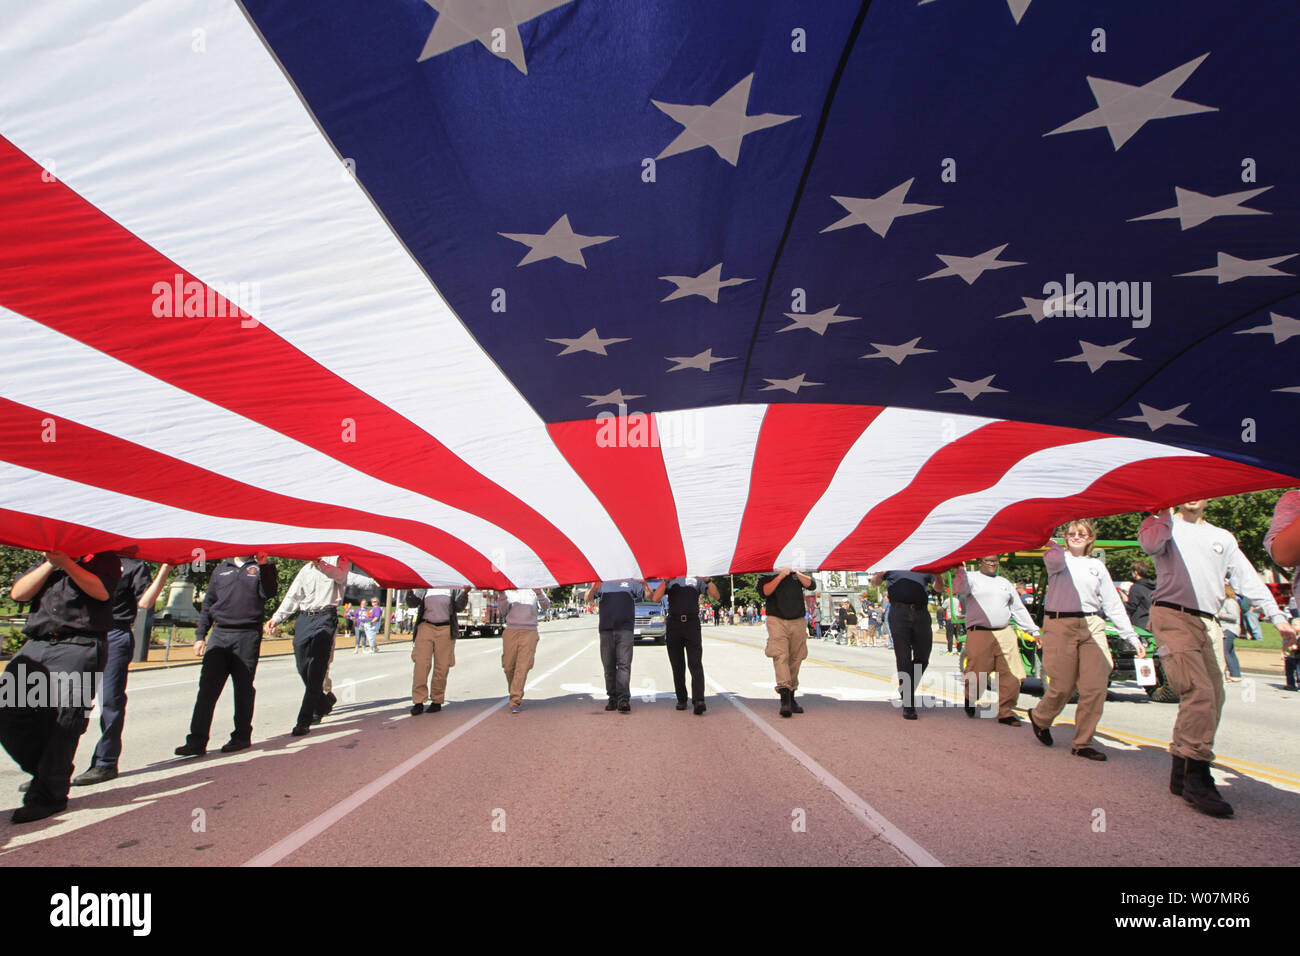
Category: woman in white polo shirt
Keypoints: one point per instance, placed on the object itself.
(1075, 648)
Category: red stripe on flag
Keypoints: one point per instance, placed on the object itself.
(70, 267)
(799, 449)
(619, 459)
(975, 461)
(1157, 481)
(94, 458)
(23, 530)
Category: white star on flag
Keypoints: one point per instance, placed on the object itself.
(615, 397)
(972, 390)
(558, 242)
(896, 353)
(791, 385)
(464, 21)
(1295, 389)
(706, 284)
(1098, 355)
(1155, 418)
(1039, 309)
(1017, 7)
(704, 361)
(1193, 208)
(1282, 327)
(878, 214)
(1230, 268)
(971, 268)
(1125, 109)
(590, 342)
(817, 322)
(721, 125)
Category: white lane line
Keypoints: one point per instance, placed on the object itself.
(870, 817)
(314, 828)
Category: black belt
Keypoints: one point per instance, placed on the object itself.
(82, 638)
(437, 623)
(981, 627)
(1186, 610)
(1068, 613)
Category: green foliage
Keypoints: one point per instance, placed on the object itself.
(561, 596)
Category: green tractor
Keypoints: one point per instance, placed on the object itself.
(1031, 653)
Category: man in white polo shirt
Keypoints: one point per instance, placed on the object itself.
(1192, 559)
(991, 603)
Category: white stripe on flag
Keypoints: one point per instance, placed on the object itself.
(74, 502)
(211, 159)
(709, 458)
(158, 416)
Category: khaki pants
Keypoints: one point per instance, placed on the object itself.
(1186, 650)
(433, 645)
(1075, 654)
(518, 648)
(986, 651)
(787, 645)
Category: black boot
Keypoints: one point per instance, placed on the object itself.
(1200, 792)
(785, 701)
(1176, 772)
(794, 705)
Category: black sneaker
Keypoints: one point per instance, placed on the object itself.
(909, 713)
(611, 704)
(681, 705)
(1011, 720)
(1044, 734)
(97, 774)
(417, 709)
(189, 750)
(700, 708)
(1089, 753)
(624, 706)
(434, 708)
(37, 811)
(300, 731)
(233, 746)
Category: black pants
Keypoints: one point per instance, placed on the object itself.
(231, 654)
(913, 638)
(313, 640)
(685, 636)
(43, 739)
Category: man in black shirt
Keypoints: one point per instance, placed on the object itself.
(67, 630)
(617, 634)
(787, 637)
(233, 610)
(909, 624)
(683, 627)
(135, 591)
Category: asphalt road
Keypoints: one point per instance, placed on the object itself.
(564, 782)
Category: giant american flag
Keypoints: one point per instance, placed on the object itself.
(524, 292)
